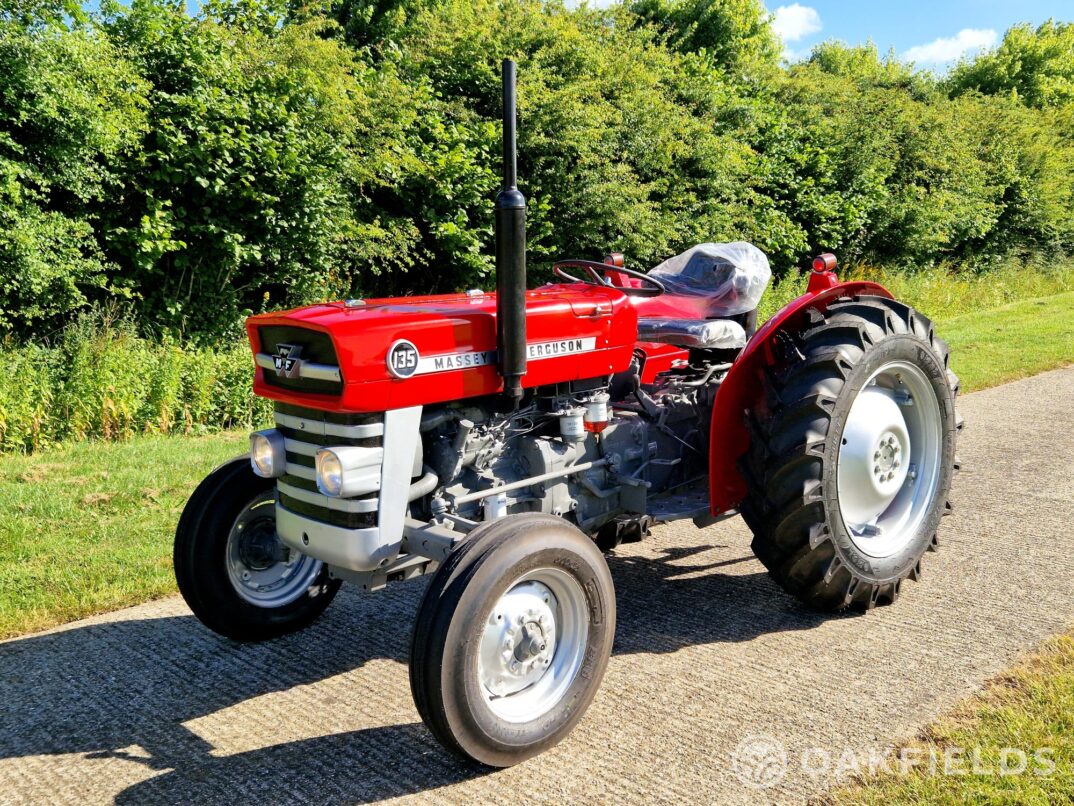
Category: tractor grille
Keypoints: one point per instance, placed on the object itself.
(319, 372)
(306, 431)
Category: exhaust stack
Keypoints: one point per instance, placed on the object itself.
(510, 254)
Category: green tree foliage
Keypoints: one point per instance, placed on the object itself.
(874, 161)
(863, 65)
(623, 143)
(373, 24)
(70, 108)
(736, 33)
(240, 192)
(1034, 65)
(267, 153)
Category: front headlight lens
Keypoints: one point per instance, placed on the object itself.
(349, 470)
(268, 457)
(329, 473)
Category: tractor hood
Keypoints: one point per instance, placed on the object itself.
(379, 354)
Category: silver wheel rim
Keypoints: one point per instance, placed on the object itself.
(262, 570)
(889, 459)
(533, 644)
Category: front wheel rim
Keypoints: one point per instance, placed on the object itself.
(889, 464)
(262, 570)
(533, 644)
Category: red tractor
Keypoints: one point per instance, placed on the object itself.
(501, 442)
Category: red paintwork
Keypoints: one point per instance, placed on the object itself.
(454, 324)
(742, 388)
(659, 358)
(672, 306)
(457, 324)
(822, 280)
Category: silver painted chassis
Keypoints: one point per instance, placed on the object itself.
(400, 547)
(373, 548)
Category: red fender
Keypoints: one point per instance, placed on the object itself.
(743, 387)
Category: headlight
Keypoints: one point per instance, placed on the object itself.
(329, 473)
(348, 471)
(268, 457)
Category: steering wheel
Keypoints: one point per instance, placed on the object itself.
(596, 271)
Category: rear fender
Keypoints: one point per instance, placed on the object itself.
(742, 389)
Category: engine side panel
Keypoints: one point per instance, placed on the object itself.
(660, 358)
(741, 390)
(574, 332)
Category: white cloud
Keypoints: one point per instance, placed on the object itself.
(947, 49)
(795, 22)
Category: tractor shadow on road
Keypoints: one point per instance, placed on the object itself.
(103, 689)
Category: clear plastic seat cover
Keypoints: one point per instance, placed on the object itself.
(728, 278)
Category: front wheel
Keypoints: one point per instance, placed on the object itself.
(850, 467)
(233, 571)
(512, 639)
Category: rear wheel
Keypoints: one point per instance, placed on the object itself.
(512, 639)
(233, 571)
(850, 466)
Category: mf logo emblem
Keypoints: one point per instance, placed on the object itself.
(288, 364)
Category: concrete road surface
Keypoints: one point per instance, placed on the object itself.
(146, 706)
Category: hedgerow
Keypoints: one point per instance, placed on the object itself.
(260, 155)
(100, 379)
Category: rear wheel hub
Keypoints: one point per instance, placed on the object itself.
(889, 459)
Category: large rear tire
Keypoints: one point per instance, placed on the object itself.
(851, 459)
(512, 639)
(233, 571)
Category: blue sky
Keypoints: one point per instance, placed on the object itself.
(932, 33)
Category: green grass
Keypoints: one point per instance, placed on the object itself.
(1014, 341)
(942, 294)
(88, 527)
(1029, 708)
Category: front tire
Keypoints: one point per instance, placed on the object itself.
(512, 639)
(233, 571)
(851, 462)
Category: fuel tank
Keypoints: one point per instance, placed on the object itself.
(379, 354)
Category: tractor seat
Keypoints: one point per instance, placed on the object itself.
(702, 334)
(716, 280)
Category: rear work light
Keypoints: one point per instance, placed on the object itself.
(825, 262)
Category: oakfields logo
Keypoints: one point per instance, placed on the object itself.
(761, 762)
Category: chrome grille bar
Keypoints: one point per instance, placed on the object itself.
(306, 369)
